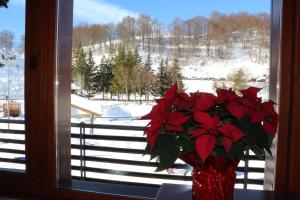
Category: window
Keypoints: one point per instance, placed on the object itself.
(12, 104)
(46, 164)
(116, 62)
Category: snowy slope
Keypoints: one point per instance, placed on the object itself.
(200, 67)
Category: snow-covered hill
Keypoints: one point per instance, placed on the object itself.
(204, 67)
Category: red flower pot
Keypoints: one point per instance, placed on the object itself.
(214, 180)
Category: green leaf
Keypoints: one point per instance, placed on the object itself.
(152, 152)
(167, 150)
(237, 151)
(256, 137)
(147, 149)
(188, 145)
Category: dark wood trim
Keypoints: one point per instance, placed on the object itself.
(276, 9)
(14, 180)
(63, 91)
(39, 94)
(42, 123)
(287, 173)
(40, 176)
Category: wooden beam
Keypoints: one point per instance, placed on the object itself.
(276, 8)
(287, 171)
(40, 61)
(86, 110)
(63, 94)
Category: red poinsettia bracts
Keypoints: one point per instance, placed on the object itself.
(180, 100)
(225, 96)
(230, 134)
(206, 135)
(270, 123)
(202, 101)
(249, 104)
(162, 117)
(200, 124)
(209, 129)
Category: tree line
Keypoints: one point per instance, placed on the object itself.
(213, 36)
(123, 74)
(7, 42)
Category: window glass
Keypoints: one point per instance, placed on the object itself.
(127, 53)
(12, 113)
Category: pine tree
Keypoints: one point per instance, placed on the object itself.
(97, 77)
(120, 82)
(104, 75)
(148, 77)
(168, 81)
(148, 62)
(175, 74)
(79, 65)
(162, 80)
(89, 73)
(137, 74)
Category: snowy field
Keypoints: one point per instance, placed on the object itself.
(198, 73)
(117, 113)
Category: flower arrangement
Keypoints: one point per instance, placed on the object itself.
(202, 125)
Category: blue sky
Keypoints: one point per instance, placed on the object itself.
(104, 11)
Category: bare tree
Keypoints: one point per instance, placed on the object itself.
(6, 40)
(158, 35)
(177, 35)
(263, 35)
(219, 34)
(144, 23)
(194, 31)
(127, 30)
(110, 32)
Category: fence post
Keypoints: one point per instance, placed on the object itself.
(82, 150)
(246, 169)
(84, 156)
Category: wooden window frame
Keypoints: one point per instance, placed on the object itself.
(48, 162)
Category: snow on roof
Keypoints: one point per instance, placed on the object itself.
(86, 105)
(74, 87)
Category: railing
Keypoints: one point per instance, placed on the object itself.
(12, 144)
(115, 154)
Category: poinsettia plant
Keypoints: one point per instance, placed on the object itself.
(203, 124)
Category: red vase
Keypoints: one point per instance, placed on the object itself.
(214, 180)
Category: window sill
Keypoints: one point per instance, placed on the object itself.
(179, 192)
(116, 189)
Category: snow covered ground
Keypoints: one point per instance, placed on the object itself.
(198, 73)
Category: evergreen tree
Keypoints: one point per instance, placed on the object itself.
(137, 74)
(97, 77)
(148, 62)
(162, 80)
(148, 77)
(104, 76)
(89, 73)
(175, 74)
(120, 82)
(79, 65)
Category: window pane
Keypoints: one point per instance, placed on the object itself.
(12, 128)
(127, 53)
